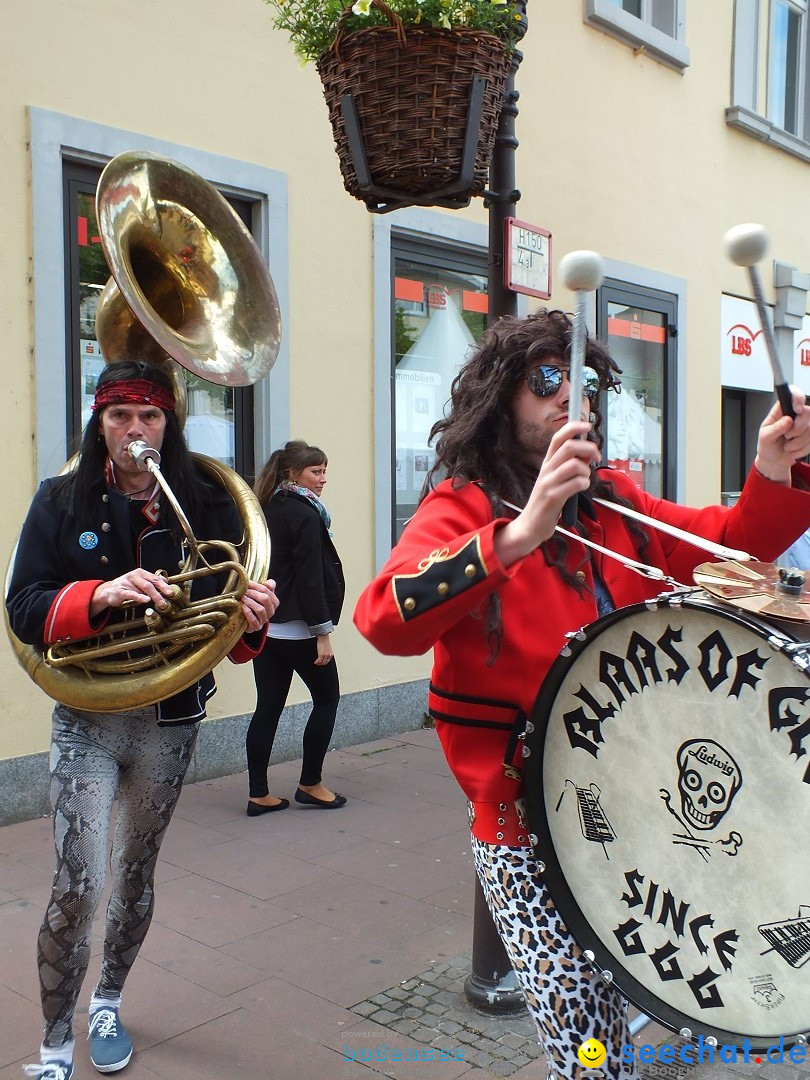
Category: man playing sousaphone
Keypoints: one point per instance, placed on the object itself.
(492, 589)
(91, 545)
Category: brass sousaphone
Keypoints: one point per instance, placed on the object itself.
(188, 285)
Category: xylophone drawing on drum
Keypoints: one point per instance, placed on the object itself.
(633, 748)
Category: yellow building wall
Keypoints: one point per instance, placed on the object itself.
(618, 153)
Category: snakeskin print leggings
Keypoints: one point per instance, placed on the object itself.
(94, 757)
(568, 1001)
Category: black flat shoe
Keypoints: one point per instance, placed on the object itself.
(325, 804)
(255, 809)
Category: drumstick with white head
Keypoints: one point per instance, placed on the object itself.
(745, 246)
(581, 272)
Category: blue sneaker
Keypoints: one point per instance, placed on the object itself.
(110, 1045)
(49, 1070)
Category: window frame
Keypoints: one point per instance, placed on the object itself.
(798, 7)
(748, 111)
(56, 137)
(639, 33)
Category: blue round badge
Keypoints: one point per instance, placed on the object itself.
(88, 540)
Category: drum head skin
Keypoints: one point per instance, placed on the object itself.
(668, 786)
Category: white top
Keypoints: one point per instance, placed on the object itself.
(295, 630)
(798, 554)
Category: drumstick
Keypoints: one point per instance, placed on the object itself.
(580, 271)
(745, 246)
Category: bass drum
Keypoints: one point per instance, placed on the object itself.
(668, 791)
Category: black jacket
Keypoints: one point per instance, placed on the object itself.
(57, 548)
(304, 564)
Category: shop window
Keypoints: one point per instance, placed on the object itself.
(656, 27)
(638, 325)
(438, 312)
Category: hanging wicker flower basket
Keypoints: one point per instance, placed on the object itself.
(411, 89)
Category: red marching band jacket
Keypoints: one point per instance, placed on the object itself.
(433, 592)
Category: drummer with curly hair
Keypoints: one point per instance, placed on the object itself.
(480, 577)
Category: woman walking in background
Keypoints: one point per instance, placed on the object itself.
(310, 589)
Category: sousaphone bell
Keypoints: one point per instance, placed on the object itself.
(189, 285)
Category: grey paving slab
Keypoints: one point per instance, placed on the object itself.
(198, 963)
(259, 871)
(420, 825)
(235, 1046)
(185, 835)
(293, 1009)
(392, 867)
(17, 875)
(416, 784)
(341, 966)
(304, 835)
(213, 913)
(357, 907)
(20, 1017)
(452, 847)
(459, 901)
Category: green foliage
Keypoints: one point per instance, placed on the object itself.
(312, 24)
(404, 338)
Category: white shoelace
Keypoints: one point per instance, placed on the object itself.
(103, 1024)
(54, 1070)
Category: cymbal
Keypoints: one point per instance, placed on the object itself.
(756, 587)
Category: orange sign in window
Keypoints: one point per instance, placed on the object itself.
(633, 328)
(408, 289)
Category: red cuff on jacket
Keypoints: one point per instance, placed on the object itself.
(244, 651)
(500, 823)
(69, 616)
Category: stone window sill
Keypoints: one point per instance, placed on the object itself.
(639, 35)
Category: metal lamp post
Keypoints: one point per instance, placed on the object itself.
(491, 985)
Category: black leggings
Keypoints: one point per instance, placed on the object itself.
(273, 670)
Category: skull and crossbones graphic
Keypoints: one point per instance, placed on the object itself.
(708, 780)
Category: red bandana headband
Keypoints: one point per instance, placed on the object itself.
(134, 392)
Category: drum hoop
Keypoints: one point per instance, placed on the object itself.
(567, 906)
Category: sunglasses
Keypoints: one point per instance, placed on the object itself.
(546, 379)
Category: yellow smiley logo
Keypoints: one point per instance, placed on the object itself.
(592, 1053)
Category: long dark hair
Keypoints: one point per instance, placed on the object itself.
(290, 458)
(177, 464)
(477, 440)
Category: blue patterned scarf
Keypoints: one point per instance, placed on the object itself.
(288, 485)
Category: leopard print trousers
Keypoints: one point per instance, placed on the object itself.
(94, 758)
(568, 1001)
